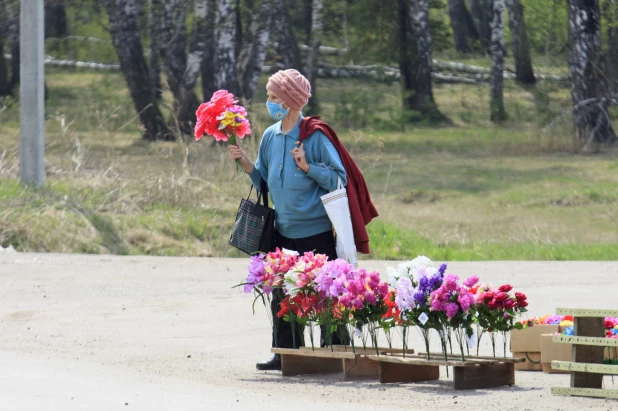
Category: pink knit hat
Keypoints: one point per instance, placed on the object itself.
(291, 86)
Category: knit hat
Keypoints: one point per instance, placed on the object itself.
(291, 87)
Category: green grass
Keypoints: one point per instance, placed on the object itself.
(471, 191)
(390, 242)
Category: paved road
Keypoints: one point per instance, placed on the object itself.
(91, 332)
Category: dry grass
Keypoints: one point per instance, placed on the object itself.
(515, 190)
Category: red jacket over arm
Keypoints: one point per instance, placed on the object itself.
(362, 210)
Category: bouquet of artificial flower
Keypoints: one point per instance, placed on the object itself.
(222, 118)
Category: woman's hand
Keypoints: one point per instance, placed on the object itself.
(299, 156)
(237, 153)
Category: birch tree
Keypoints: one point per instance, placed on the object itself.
(287, 45)
(197, 50)
(415, 60)
(482, 12)
(55, 19)
(253, 52)
(153, 50)
(588, 90)
(13, 13)
(611, 66)
(521, 49)
(311, 66)
(126, 39)
(463, 25)
(225, 51)
(4, 31)
(170, 17)
(496, 101)
(208, 66)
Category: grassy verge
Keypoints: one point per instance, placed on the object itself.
(474, 191)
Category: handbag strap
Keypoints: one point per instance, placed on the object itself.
(261, 194)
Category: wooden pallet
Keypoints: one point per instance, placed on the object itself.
(354, 365)
(589, 342)
(475, 372)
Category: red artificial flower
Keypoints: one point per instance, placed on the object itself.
(337, 312)
(509, 303)
(608, 333)
(391, 308)
(493, 304)
(523, 304)
(568, 318)
(223, 98)
(286, 307)
(306, 303)
(609, 324)
(208, 112)
(505, 288)
(520, 296)
(501, 296)
(489, 296)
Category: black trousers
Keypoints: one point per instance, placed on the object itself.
(284, 334)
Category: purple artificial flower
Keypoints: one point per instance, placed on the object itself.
(471, 281)
(423, 283)
(256, 273)
(370, 297)
(383, 290)
(358, 303)
(419, 298)
(450, 282)
(374, 280)
(434, 283)
(451, 310)
(346, 300)
(465, 300)
(442, 270)
(404, 298)
(337, 287)
(356, 286)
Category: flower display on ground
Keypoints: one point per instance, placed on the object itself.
(336, 295)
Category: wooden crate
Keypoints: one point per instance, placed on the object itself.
(589, 342)
(475, 372)
(340, 359)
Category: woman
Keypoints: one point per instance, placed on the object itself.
(297, 175)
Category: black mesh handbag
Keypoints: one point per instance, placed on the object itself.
(255, 224)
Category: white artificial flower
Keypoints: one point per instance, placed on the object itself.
(404, 269)
(358, 333)
(393, 276)
(289, 252)
(291, 278)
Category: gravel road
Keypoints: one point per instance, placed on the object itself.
(92, 332)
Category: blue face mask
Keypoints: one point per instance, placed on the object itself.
(277, 111)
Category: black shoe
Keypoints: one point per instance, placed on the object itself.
(273, 363)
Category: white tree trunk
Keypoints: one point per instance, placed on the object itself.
(153, 50)
(521, 50)
(497, 112)
(172, 41)
(124, 30)
(253, 52)
(225, 55)
(588, 90)
(287, 46)
(208, 68)
(311, 67)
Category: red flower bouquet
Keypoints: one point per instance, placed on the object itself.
(222, 118)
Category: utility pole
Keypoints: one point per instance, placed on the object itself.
(31, 93)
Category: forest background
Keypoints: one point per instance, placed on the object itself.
(483, 127)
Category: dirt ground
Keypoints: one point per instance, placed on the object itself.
(92, 332)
